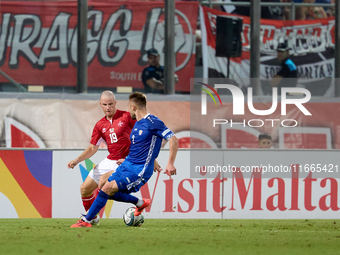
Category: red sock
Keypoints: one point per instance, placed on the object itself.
(88, 201)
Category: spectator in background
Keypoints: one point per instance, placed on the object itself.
(324, 10)
(265, 141)
(287, 10)
(279, 12)
(242, 10)
(153, 75)
(272, 12)
(310, 12)
(330, 11)
(267, 12)
(288, 69)
(226, 7)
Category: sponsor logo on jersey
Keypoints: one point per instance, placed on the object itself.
(135, 129)
(140, 132)
(104, 130)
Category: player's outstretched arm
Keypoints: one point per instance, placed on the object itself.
(173, 147)
(88, 153)
(156, 167)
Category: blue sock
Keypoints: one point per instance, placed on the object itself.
(123, 197)
(97, 205)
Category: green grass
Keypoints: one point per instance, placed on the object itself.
(54, 236)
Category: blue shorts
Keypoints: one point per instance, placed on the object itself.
(126, 177)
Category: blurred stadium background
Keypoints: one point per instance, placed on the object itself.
(48, 105)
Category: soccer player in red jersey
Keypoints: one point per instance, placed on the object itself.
(146, 140)
(114, 129)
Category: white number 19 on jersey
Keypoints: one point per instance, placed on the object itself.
(113, 137)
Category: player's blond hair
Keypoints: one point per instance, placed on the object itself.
(108, 93)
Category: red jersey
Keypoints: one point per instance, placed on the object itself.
(115, 135)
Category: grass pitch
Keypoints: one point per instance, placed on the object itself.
(54, 236)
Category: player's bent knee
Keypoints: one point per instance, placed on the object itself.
(103, 179)
(101, 183)
(85, 190)
(110, 188)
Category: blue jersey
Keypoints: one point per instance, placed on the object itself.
(146, 139)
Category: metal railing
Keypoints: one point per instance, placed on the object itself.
(292, 5)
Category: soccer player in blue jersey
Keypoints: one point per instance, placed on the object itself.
(137, 168)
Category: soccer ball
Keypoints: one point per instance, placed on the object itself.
(131, 220)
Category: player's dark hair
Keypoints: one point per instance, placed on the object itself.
(265, 136)
(139, 99)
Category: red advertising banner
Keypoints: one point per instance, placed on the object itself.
(311, 43)
(38, 44)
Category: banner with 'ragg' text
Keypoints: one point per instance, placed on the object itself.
(38, 44)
